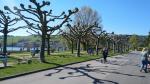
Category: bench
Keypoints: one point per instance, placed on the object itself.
(3, 58)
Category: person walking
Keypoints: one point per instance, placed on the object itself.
(144, 60)
(105, 54)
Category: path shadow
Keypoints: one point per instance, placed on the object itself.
(115, 72)
(57, 71)
(84, 70)
(113, 62)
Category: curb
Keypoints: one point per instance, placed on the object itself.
(23, 74)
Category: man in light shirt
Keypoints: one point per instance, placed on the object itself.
(144, 60)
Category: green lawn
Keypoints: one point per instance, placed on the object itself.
(54, 60)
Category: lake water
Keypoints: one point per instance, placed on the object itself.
(16, 49)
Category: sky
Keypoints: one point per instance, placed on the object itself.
(118, 16)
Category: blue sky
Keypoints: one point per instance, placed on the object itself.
(119, 16)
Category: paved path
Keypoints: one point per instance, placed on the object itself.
(119, 70)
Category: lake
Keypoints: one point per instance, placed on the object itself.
(16, 49)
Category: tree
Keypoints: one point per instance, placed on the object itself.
(113, 42)
(97, 33)
(133, 40)
(39, 20)
(48, 42)
(6, 22)
(84, 21)
(70, 39)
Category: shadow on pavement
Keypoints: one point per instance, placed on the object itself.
(114, 72)
(83, 72)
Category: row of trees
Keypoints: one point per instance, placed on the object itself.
(86, 29)
(38, 19)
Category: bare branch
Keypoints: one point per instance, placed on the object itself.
(13, 20)
(14, 29)
(37, 33)
(29, 10)
(49, 14)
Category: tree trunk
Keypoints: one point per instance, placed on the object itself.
(122, 48)
(87, 45)
(108, 44)
(5, 44)
(118, 48)
(97, 45)
(84, 46)
(5, 40)
(42, 56)
(114, 47)
(78, 47)
(48, 45)
(72, 46)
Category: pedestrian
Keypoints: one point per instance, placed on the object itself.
(90, 51)
(105, 54)
(144, 60)
(149, 58)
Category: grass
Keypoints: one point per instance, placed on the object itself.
(54, 60)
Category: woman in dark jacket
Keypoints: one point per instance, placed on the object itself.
(105, 54)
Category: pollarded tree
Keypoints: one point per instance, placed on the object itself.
(88, 41)
(78, 33)
(6, 24)
(48, 41)
(39, 20)
(97, 33)
(84, 21)
(70, 38)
